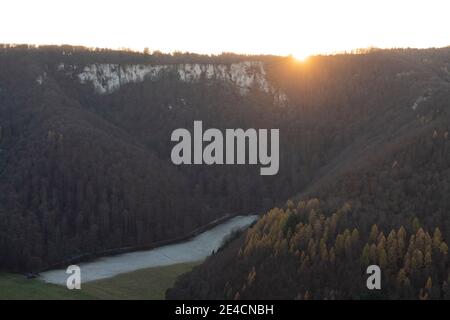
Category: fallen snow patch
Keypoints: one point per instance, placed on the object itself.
(192, 250)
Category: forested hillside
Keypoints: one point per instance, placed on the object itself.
(383, 200)
(85, 153)
(82, 173)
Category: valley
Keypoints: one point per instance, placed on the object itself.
(362, 174)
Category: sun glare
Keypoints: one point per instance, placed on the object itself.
(301, 57)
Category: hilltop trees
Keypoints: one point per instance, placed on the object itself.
(323, 259)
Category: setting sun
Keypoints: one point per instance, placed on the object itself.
(301, 57)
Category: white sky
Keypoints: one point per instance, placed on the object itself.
(244, 26)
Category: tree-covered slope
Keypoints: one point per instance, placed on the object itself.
(84, 170)
(383, 200)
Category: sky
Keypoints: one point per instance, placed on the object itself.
(283, 27)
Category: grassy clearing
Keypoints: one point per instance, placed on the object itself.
(17, 287)
(150, 283)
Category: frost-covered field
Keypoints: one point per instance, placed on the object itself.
(195, 249)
